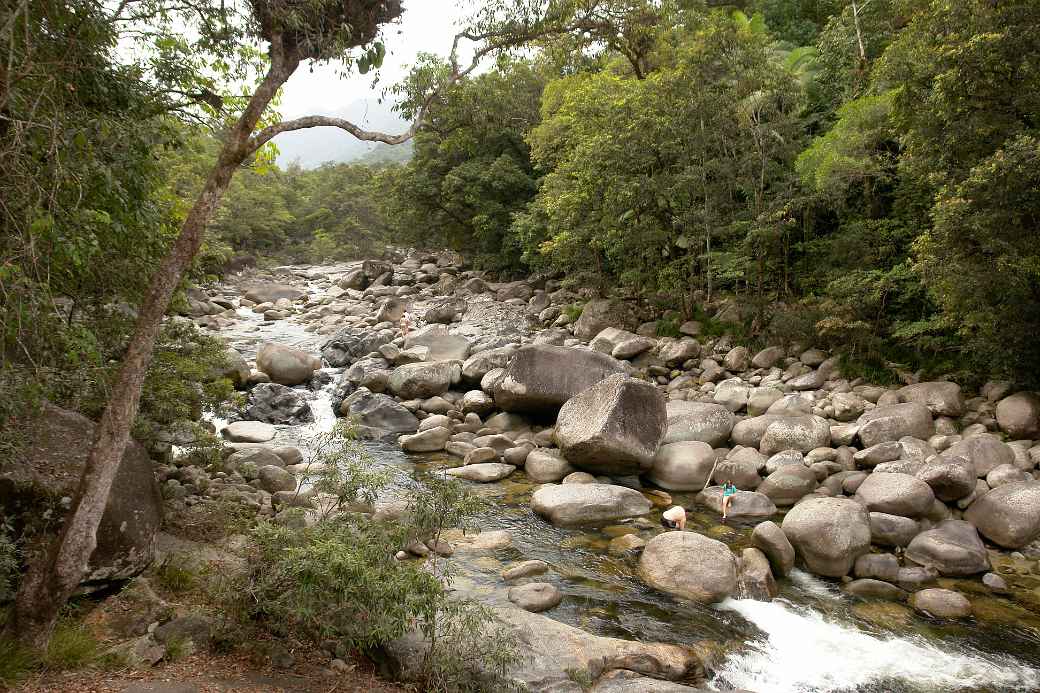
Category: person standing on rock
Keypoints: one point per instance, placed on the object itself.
(406, 323)
(674, 518)
(728, 492)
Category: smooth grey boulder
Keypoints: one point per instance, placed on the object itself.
(483, 472)
(248, 432)
(483, 362)
(540, 377)
(612, 428)
(829, 534)
(1009, 515)
(950, 476)
(788, 484)
(953, 548)
(682, 466)
(1019, 415)
(755, 577)
(423, 379)
(869, 588)
(430, 440)
(985, 452)
(745, 505)
(285, 365)
(276, 404)
(352, 343)
(274, 479)
(571, 505)
(599, 314)
(894, 421)
(941, 398)
(895, 494)
(771, 540)
(892, 530)
(698, 421)
(377, 415)
(773, 433)
(690, 566)
(442, 344)
(272, 292)
(49, 469)
(545, 466)
(941, 603)
(535, 596)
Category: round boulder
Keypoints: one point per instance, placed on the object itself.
(285, 365)
(613, 427)
(1009, 515)
(953, 548)
(535, 596)
(698, 421)
(771, 540)
(894, 421)
(895, 494)
(571, 505)
(1019, 415)
(950, 476)
(690, 566)
(941, 604)
(789, 484)
(682, 466)
(546, 466)
(828, 533)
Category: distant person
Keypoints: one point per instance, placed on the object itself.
(728, 492)
(406, 322)
(674, 517)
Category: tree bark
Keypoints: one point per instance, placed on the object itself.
(55, 574)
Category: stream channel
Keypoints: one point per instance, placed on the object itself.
(812, 639)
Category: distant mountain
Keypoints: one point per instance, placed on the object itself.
(313, 147)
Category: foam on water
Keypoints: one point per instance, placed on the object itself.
(812, 585)
(802, 652)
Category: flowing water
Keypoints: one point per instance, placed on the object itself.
(812, 639)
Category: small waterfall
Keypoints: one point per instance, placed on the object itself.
(802, 652)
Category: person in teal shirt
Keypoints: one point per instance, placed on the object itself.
(728, 492)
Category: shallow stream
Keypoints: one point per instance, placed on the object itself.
(813, 639)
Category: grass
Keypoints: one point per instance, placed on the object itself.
(581, 677)
(573, 311)
(175, 577)
(178, 648)
(72, 646)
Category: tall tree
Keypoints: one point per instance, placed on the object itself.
(295, 31)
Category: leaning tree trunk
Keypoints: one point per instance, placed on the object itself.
(53, 575)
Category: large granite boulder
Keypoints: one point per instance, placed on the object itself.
(772, 433)
(1009, 515)
(272, 292)
(689, 566)
(442, 344)
(571, 505)
(613, 427)
(743, 506)
(682, 466)
(829, 534)
(895, 421)
(378, 415)
(895, 494)
(951, 477)
(422, 380)
(540, 377)
(1019, 415)
(788, 484)
(985, 452)
(480, 364)
(285, 365)
(698, 421)
(941, 398)
(771, 540)
(601, 313)
(351, 343)
(54, 460)
(276, 404)
(953, 548)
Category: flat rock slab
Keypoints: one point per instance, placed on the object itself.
(570, 505)
(484, 472)
(249, 432)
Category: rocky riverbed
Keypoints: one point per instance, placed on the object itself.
(883, 538)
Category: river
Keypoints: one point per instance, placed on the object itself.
(812, 639)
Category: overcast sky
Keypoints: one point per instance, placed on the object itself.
(427, 26)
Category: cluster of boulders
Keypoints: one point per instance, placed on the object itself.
(888, 487)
